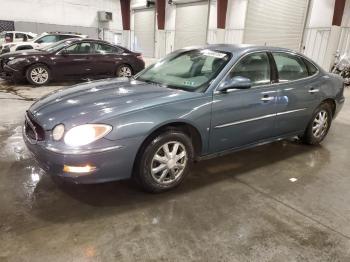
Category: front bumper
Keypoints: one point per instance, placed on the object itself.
(113, 164)
(9, 73)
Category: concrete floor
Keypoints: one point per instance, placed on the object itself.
(241, 207)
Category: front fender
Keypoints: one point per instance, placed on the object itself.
(142, 123)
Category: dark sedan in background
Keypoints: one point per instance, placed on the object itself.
(70, 59)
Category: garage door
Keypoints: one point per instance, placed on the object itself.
(191, 24)
(144, 20)
(275, 22)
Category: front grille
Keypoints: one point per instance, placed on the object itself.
(32, 129)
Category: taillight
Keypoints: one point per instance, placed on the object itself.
(140, 57)
(7, 39)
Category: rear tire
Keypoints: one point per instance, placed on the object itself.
(124, 71)
(38, 74)
(164, 161)
(319, 125)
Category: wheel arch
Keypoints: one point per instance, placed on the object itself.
(35, 63)
(185, 127)
(332, 103)
(127, 64)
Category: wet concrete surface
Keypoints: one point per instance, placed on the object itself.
(279, 202)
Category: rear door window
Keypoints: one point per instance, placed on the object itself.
(19, 36)
(79, 49)
(290, 67)
(107, 49)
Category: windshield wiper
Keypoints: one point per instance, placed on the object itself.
(147, 81)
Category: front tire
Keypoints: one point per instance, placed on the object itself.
(165, 161)
(38, 75)
(319, 125)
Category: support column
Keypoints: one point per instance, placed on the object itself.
(221, 20)
(160, 32)
(125, 10)
(335, 33)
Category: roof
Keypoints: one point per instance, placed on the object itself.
(242, 48)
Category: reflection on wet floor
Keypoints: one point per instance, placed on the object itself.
(13, 147)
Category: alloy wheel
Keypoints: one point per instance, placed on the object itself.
(320, 124)
(125, 71)
(39, 75)
(169, 162)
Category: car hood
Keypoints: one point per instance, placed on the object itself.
(97, 101)
(23, 53)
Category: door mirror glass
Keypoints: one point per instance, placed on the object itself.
(237, 82)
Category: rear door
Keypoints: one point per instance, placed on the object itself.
(245, 116)
(106, 58)
(298, 92)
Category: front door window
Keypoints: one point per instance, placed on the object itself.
(255, 67)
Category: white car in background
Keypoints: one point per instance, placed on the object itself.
(40, 41)
(15, 36)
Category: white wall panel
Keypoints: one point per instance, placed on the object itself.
(144, 31)
(275, 22)
(316, 40)
(234, 36)
(191, 24)
(61, 12)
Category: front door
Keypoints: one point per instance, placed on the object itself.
(74, 61)
(245, 116)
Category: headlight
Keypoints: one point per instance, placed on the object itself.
(16, 60)
(58, 132)
(86, 134)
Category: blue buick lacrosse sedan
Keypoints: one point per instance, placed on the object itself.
(195, 103)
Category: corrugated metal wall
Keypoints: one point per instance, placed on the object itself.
(275, 22)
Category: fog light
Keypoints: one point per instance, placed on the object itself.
(78, 169)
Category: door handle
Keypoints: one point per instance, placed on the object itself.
(313, 90)
(267, 98)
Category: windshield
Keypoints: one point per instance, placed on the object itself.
(191, 70)
(56, 46)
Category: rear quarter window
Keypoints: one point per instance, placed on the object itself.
(310, 67)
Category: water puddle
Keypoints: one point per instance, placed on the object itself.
(13, 147)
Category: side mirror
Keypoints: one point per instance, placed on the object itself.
(237, 82)
(63, 52)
